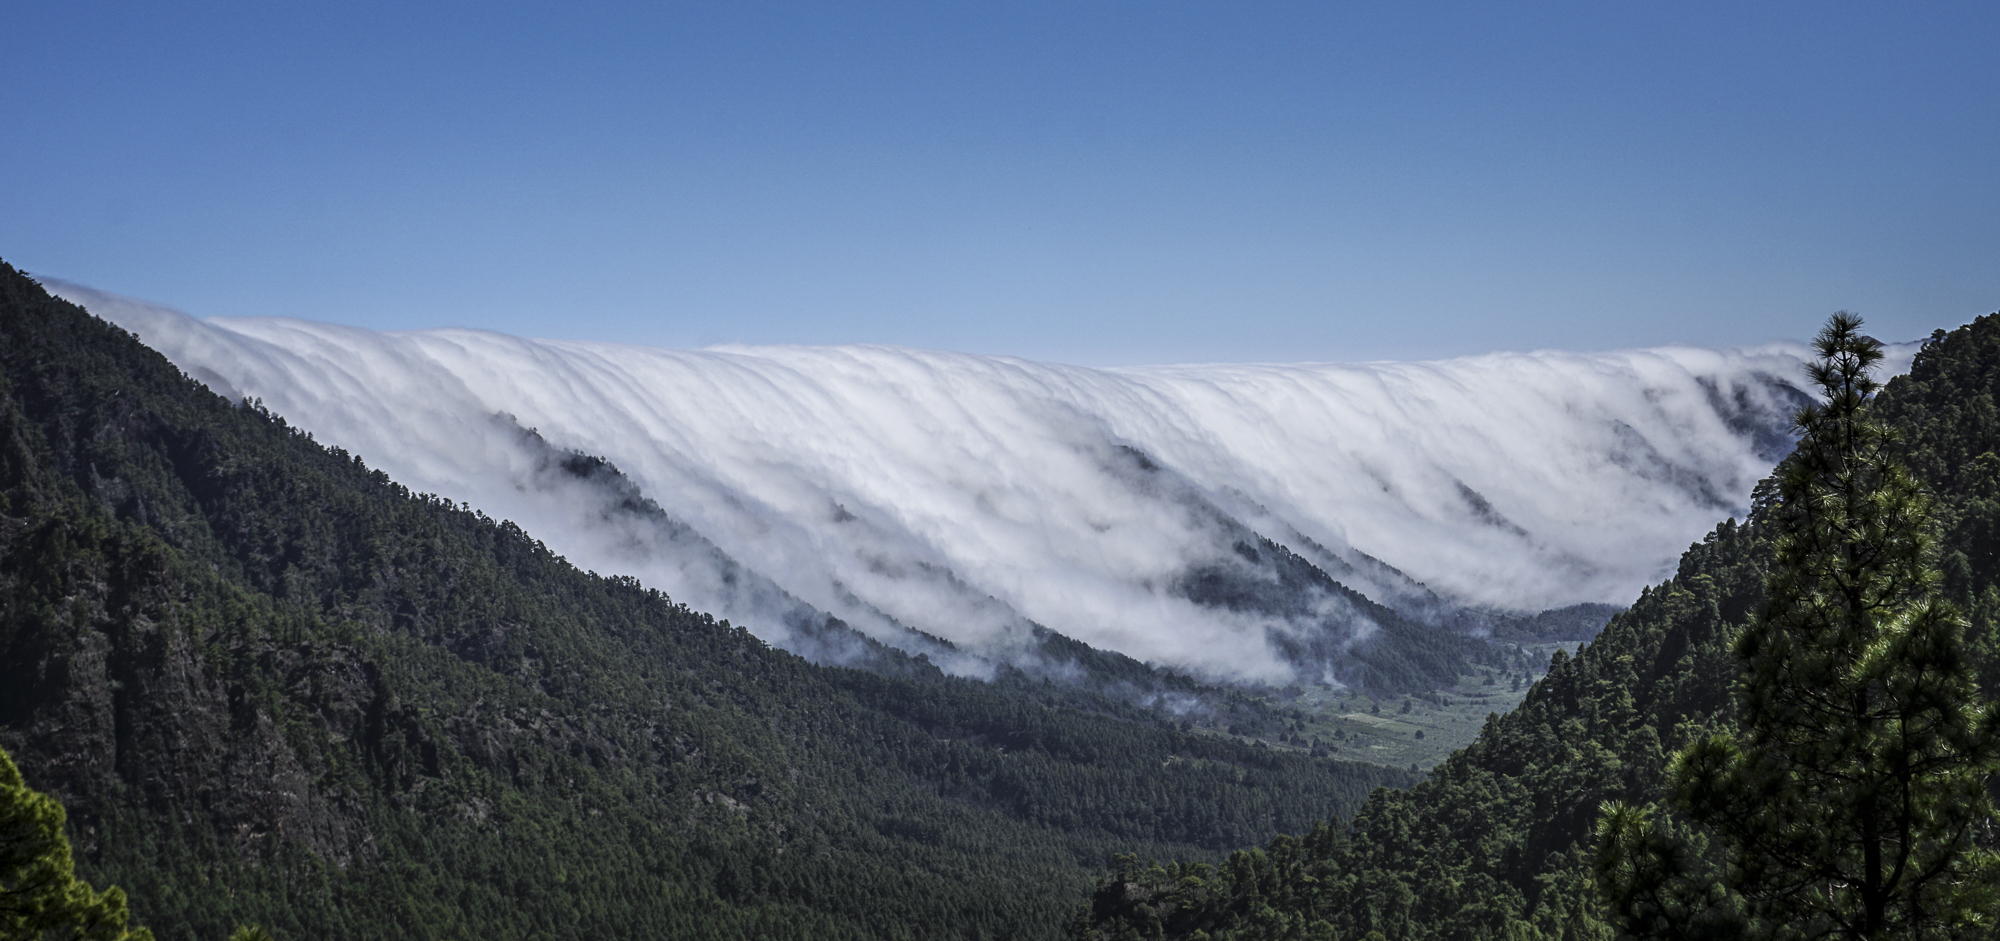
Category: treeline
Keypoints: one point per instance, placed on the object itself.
(1497, 841)
(274, 687)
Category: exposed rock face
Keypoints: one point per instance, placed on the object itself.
(119, 694)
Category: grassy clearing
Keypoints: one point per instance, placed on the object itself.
(1415, 730)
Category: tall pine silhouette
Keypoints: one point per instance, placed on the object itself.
(1852, 801)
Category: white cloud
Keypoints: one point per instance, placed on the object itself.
(966, 495)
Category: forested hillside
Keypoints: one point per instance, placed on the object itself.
(1496, 843)
(273, 686)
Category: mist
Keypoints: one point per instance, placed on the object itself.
(912, 493)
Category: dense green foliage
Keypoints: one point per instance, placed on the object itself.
(1847, 801)
(40, 895)
(273, 687)
(1498, 841)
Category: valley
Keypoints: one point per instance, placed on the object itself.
(242, 656)
(1000, 472)
(1384, 730)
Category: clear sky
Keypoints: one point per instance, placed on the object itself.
(1093, 183)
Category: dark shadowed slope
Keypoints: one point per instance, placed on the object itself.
(273, 686)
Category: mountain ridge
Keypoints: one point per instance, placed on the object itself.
(272, 685)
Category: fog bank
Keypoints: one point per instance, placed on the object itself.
(967, 496)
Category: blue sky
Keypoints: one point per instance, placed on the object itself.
(1084, 182)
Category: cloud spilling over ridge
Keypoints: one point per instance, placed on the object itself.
(969, 496)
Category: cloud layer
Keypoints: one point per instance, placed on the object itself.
(967, 496)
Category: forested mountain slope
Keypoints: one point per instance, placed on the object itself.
(273, 686)
(1496, 842)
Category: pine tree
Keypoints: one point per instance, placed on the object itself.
(1852, 802)
(40, 896)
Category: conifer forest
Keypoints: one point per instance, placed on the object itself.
(252, 687)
